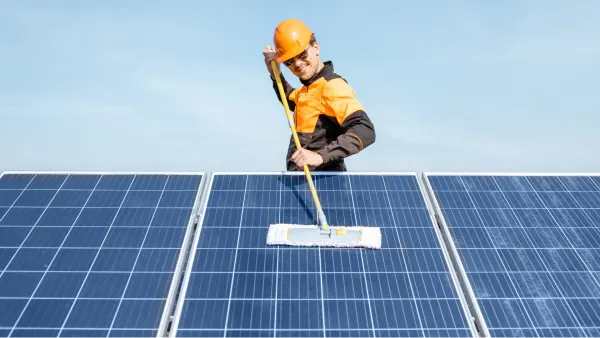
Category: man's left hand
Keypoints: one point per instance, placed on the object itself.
(303, 156)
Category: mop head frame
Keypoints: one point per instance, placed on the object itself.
(335, 236)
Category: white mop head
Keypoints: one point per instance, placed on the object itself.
(370, 237)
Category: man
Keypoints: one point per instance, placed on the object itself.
(331, 123)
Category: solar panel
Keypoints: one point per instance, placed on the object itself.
(237, 285)
(530, 247)
(85, 254)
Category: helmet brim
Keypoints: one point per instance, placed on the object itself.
(291, 53)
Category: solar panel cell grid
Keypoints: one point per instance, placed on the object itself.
(529, 245)
(238, 285)
(89, 254)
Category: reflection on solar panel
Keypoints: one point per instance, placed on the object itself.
(237, 285)
(91, 254)
(530, 248)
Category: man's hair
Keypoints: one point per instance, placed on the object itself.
(312, 39)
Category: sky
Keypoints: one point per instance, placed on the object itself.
(502, 86)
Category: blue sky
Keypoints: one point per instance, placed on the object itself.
(450, 86)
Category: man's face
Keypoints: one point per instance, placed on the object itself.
(305, 64)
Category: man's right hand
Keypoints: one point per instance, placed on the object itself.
(270, 55)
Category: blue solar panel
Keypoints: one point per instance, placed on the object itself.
(530, 246)
(90, 254)
(237, 285)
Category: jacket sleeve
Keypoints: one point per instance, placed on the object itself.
(340, 102)
(287, 88)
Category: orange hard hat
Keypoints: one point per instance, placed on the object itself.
(291, 38)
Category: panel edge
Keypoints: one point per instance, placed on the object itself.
(508, 173)
(172, 297)
(459, 274)
(316, 173)
(201, 212)
(103, 172)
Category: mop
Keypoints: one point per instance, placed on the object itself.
(324, 234)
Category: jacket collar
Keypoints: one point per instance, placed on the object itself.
(327, 69)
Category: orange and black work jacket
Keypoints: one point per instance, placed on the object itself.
(329, 119)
